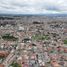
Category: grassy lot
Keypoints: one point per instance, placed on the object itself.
(9, 37)
(14, 64)
(65, 42)
(40, 37)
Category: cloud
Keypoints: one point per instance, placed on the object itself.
(33, 6)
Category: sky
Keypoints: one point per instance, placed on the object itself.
(33, 6)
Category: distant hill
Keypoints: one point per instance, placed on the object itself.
(48, 15)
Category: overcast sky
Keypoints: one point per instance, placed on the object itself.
(33, 6)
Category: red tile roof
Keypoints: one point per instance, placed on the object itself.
(1, 65)
(3, 53)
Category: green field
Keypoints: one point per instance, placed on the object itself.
(65, 42)
(9, 37)
(40, 37)
(14, 64)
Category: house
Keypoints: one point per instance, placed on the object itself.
(1, 65)
(65, 49)
(55, 63)
(4, 53)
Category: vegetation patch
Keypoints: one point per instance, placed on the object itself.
(9, 37)
(40, 37)
(65, 41)
(14, 64)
